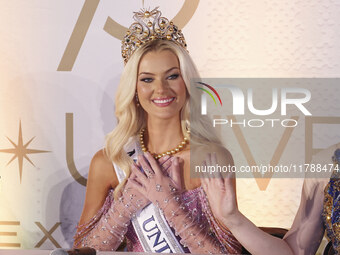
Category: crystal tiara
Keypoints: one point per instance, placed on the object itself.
(149, 26)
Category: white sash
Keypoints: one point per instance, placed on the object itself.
(150, 225)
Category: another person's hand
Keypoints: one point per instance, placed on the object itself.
(220, 192)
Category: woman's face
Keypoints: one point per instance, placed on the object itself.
(160, 86)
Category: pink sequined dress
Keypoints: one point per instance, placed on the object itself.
(195, 200)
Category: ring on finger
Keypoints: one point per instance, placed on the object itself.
(149, 173)
(151, 176)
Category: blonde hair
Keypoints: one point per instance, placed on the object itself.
(131, 119)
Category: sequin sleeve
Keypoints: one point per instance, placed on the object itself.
(225, 237)
(185, 214)
(331, 210)
(106, 230)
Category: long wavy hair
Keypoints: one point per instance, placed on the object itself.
(131, 119)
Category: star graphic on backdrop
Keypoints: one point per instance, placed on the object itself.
(20, 151)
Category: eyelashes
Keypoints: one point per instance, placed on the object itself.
(170, 77)
(146, 80)
(173, 76)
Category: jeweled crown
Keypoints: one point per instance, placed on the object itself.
(149, 26)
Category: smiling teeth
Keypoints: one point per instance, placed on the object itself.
(163, 101)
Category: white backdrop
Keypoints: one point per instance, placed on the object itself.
(225, 38)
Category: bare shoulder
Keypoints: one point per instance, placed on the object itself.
(100, 180)
(102, 170)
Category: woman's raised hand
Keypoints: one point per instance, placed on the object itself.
(156, 182)
(132, 198)
(220, 191)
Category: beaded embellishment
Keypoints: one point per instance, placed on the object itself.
(331, 210)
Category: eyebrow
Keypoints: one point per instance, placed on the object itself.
(172, 68)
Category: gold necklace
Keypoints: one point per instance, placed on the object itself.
(180, 147)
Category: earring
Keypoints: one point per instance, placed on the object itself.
(137, 101)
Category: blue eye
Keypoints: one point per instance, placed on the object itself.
(173, 76)
(147, 80)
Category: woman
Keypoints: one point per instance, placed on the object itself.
(153, 191)
(306, 233)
